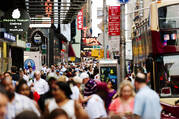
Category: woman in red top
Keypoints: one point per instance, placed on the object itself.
(123, 105)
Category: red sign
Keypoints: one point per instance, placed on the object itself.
(114, 21)
(80, 20)
(48, 8)
(90, 41)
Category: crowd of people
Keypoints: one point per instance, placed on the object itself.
(74, 91)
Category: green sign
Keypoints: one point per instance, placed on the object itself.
(43, 51)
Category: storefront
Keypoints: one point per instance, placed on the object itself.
(6, 40)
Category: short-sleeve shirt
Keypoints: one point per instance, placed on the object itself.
(68, 107)
(90, 87)
(95, 107)
(147, 104)
(117, 107)
(20, 104)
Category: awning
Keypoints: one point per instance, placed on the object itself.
(71, 52)
(53, 11)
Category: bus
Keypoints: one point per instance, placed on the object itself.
(156, 47)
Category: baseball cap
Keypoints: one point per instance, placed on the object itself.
(77, 79)
(84, 75)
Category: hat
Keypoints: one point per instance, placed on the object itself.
(84, 75)
(77, 79)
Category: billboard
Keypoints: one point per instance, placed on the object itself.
(92, 41)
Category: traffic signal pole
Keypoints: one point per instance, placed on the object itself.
(122, 41)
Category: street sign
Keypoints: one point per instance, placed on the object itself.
(44, 47)
(28, 45)
(114, 21)
(124, 1)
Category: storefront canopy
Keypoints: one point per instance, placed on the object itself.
(53, 11)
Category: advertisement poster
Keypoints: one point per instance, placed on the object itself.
(109, 74)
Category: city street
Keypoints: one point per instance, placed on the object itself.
(89, 59)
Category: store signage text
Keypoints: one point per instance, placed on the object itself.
(80, 20)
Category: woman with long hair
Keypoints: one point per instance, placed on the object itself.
(62, 93)
(123, 105)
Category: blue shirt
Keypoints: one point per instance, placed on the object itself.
(147, 104)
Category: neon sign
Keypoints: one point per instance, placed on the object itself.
(48, 8)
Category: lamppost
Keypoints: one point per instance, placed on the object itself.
(122, 39)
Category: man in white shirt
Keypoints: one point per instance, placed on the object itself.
(52, 73)
(17, 102)
(40, 85)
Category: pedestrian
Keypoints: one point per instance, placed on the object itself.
(41, 87)
(14, 73)
(27, 115)
(30, 73)
(75, 90)
(17, 102)
(8, 75)
(52, 72)
(58, 114)
(43, 75)
(3, 102)
(24, 77)
(62, 93)
(111, 93)
(23, 89)
(90, 84)
(147, 102)
(123, 105)
(96, 104)
(57, 74)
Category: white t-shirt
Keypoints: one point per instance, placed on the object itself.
(52, 74)
(68, 107)
(75, 93)
(95, 107)
(19, 104)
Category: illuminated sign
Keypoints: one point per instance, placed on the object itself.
(48, 8)
(8, 36)
(16, 21)
(90, 41)
(80, 20)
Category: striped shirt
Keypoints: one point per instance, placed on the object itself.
(90, 87)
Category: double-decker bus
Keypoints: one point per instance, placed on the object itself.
(156, 46)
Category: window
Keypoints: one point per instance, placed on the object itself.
(169, 17)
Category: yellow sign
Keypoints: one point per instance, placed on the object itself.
(72, 59)
(95, 53)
